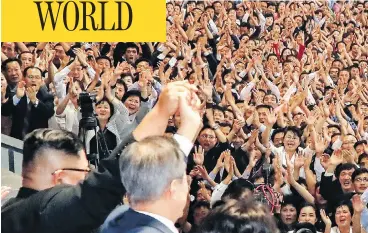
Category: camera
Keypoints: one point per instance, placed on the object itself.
(86, 101)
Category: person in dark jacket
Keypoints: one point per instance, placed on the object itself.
(31, 107)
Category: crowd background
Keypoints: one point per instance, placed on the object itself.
(284, 102)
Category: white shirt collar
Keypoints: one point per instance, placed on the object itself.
(168, 223)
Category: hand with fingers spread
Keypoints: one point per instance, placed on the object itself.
(299, 160)
(336, 158)
(198, 155)
(321, 144)
(271, 118)
(358, 204)
(326, 220)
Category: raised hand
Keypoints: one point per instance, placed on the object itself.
(299, 160)
(321, 144)
(271, 118)
(31, 94)
(326, 220)
(358, 204)
(198, 155)
(21, 89)
(336, 158)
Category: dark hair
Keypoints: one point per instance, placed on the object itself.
(358, 172)
(277, 131)
(24, 52)
(264, 106)
(31, 67)
(52, 139)
(240, 217)
(131, 93)
(347, 203)
(361, 157)
(306, 204)
(295, 130)
(112, 109)
(343, 167)
(9, 60)
(236, 189)
(200, 204)
(143, 60)
(305, 227)
(362, 142)
(104, 57)
(131, 45)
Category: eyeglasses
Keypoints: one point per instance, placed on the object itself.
(72, 169)
(207, 136)
(365, 179)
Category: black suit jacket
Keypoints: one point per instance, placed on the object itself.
(125, 220)
(38, 117)
(65, 208)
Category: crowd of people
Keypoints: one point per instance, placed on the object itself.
(256, 100)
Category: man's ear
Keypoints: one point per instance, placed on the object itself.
(174, 189)
(57, 177)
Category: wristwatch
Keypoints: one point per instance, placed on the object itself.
(216, 126)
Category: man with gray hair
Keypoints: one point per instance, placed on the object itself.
(153, 171)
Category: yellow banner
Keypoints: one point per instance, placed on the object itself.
(77, 20)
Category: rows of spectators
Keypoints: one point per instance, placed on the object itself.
(283, 90)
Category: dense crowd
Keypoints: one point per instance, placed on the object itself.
(283, 87)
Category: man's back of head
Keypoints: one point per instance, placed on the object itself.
(153, 173)
(52, 157)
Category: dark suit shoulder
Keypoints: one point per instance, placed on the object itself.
(126, 220)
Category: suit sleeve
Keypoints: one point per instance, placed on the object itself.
(46, 107)
(7, 108)
(84, 206)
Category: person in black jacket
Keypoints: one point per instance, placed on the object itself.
(50, 199)
(31, 107)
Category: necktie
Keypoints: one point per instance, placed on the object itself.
(27, 119)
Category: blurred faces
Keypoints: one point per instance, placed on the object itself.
(199, 214)
(361, 183)
(128, 81)
(132, 103)
(13, 72)
(33, 79)
(291, 141)
(262, 113)
(131, 55)
(8, 48)
(103, 64)
(343, 216)
(307, 214)
(218, 116)
(26, 59)
(103, 111)
(345, 180)
(278, 139)
(207, 139)
(288, 214)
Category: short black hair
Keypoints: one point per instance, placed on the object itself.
(200, 204)
(131, 45)
(9, 60)
(141, 60)
(358, 172)
(361, 142)
(343, 167)
(132, 93)
(40, 139)
(294, 130)
(236, 188)
(264, 106)
(361, 157)
(277, 131)
(104, 57)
